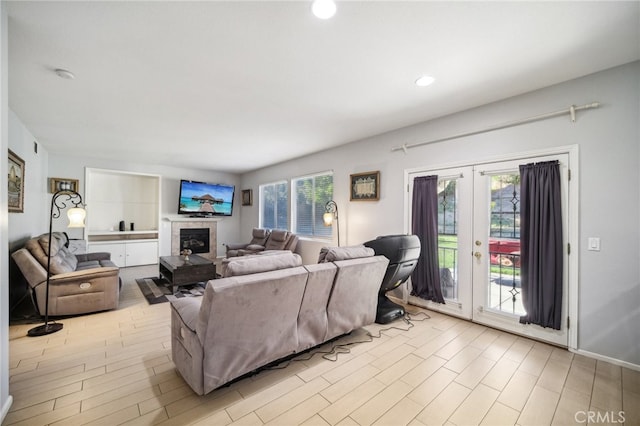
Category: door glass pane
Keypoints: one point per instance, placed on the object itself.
(504, 245)
(448, 237)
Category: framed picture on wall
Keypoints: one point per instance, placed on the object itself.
(365, 186)
(247, 197)
(15, 183)
(63, 184)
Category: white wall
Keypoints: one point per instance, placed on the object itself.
(228, 228)
(35, 218)
(5, 398)
(608, 139)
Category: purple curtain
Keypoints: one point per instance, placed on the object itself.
(424, 212)
(541, 244)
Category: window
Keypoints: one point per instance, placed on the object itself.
(310, 194)
(274, 202)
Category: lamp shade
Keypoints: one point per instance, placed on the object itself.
(327, 218)
(76, 217)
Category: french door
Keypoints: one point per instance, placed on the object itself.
(479, 244)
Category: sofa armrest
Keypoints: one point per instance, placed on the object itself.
(84, 274)
(236, 246)
(86, 257)
(188, 309)
(187, 352)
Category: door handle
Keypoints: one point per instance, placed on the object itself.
(477, 254)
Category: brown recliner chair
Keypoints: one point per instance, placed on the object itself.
(265, 240)
(281, 240)
(79, 283)
(259, 238)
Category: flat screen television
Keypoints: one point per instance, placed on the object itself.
(201, 199)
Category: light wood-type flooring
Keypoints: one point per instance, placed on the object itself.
(115, 368)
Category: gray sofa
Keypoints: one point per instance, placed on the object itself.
(268, 307)
(79, 284)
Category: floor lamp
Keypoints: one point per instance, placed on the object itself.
(331, 213)
(76, 216)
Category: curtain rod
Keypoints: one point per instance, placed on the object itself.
(571, 110)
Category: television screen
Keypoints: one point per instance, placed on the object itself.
(205, 199)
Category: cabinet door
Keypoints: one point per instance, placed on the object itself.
(117, 250)
(142, 253)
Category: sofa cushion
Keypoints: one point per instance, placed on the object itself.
(292, 243)
(43, 240)
(62, 260)
(259, 236)
(253, 264)
(277, 240)
(90, 264)
(331, 254)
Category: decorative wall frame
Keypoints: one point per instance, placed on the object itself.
(15, 183)
(365, 186)
(63, 184)
(247, 197)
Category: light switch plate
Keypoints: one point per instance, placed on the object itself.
(593, 244)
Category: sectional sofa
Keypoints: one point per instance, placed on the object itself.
(268, 307)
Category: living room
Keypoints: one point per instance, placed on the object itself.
(607, 168)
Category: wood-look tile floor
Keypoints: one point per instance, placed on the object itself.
(115, 368)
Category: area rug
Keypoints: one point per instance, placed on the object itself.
(158, 290)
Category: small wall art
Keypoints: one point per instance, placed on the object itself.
(247, 197)
(365, 186)
(63, 184)
(16, 183)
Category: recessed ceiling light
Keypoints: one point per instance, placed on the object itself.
(323, 9)
(67, 75)
(425, 81)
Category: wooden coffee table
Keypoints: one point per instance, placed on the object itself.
(180, 272)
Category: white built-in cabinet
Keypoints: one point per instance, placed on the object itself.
(114, 196)
(129, 253)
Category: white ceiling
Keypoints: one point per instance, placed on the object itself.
(236, 85)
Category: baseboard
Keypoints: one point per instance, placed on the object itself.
(6, 407)
(610, 360)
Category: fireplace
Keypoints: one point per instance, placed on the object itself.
(202, 226)
(195, 239)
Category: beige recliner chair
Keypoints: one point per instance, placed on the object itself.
(79, 284)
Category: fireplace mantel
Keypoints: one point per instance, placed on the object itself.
(191, 219)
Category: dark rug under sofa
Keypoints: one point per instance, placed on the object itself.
(158, 290)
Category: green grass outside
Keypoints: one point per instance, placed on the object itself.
(447, 261)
